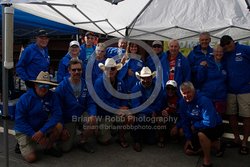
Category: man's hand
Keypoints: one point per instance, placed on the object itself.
(130, 72)
(37, 136)
(165, 112)
(123, 110)
(92, 120)
(65, 135)
(204, 63)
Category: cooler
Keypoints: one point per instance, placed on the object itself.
(11, 108)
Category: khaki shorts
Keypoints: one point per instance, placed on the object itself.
(238, 104)
(67, 145)
(104, 132)
(26, 145)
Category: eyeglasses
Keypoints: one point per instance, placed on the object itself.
(110, 68)
(157, 46)
(40, 86)
(76, 69)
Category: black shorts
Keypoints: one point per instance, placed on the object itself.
(213, 133)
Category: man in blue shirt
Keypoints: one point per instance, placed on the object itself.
(87, 48)
(158, 49)
(34, 58)
(77, 107)
(201, 124)
(117, 51)
(106, 87)
(198, 56)
(146, 86)
(37, 119)
(237, 58)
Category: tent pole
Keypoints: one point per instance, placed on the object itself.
(139, 14)
(7, 63)
(4, 92)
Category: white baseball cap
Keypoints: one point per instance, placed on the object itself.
(172, 83)
(74, 43)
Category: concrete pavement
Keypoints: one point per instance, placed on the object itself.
(115, 156)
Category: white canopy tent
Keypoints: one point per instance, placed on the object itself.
(137, 19)
(148, 19)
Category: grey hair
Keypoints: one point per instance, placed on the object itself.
(173, 40)
(188, 85)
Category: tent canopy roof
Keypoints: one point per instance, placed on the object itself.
(148, 19)
(26, 25)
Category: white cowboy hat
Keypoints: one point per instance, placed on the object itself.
(110, 62)
(44, 78)
(145, 72)
(172, 83)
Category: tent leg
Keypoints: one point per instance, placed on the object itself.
(7, 63)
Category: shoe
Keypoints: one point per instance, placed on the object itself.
(106, 143)
(87, 147)
(53, 152)
(161, 144)
(221, 151)
(137, 147)
(204, 165)
(17, 149)
(232, 144)
(192, 151)
(243, 150)
(123, 143)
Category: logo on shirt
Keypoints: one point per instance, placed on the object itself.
(179, 63)
(238, 58)
(195, 111)
(224, 72)
(84, 93)
(139, 64)
(46, 107)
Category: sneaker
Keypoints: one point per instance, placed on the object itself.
(87, 147)
(53, 152)
(137, 147)
(193, 151)
(17, 149)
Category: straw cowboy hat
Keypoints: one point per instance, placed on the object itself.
(145, 72)
(44, 78)
(110, 62)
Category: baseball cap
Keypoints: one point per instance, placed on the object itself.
(157, 43)
(90, 33)
(42, 33)
(74, 43)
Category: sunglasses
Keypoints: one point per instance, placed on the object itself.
(40, 86)
(76, 69)
(110, 68)
(157, 46)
